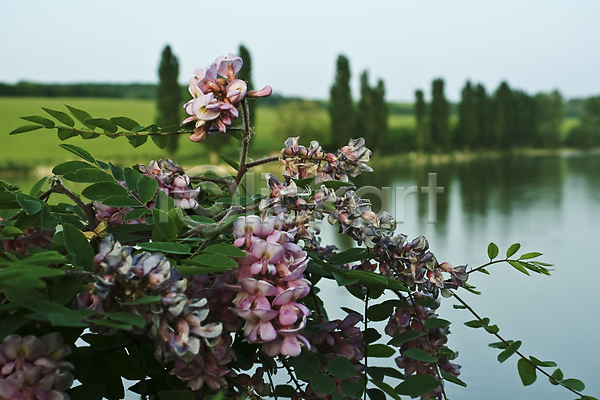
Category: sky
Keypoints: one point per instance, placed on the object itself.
(536, 46)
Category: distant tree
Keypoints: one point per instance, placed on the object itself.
(549, 117)
(524, 126)
(365, 113)
(380, 117)
(245, 74)
(484, 120)
(587, 133)
(465, 135)
(502, 116)
(340, 106)
(168, 96)
(440, 134)
(421, 132)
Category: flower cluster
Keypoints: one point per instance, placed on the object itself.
(216, 92)
(413, 317)
(175, 322)
(31, 368)
(34, 236)
(301, 162)
(414, 265)
(270, 283)
(171, 179)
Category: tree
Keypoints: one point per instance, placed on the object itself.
(380, 117)
(421, 133)
(245, 74)
(440, 133)
(502, 116)
(466, 130)
(587, 133)
(168, 96)
(340, 107)
(483, 115)
(549, 117)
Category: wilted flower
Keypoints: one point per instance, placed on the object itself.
(31, 368)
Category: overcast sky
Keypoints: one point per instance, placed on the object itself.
(534, 45)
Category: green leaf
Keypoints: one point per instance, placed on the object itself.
(160, 141)
(519, 267)
(66, 133)
(225, 249)
(322, 383)
(350, 255)
(420, 355)
(37, 187)
(417, 385)
(30, 204)
(557, 377)
(164, 223)
(528, 256)
(574, 384)
(88, 175)
(125, 123)
(132, 177)
(25, 128)
(191, 270)
(79, 152)
(433, 323)
(45, 122)
(143, 300)
(136, 214)
(81, 116)
(137, 140)
(71, 166)
(380, 350)
(451, 378)
(405, 336)
(146, 188)
(526, 372)
(234, 164)
(78, 247)
(380, 312)
(214, 260)
(285, 390)
(371, 335)
(510, 350)
(306, 365)
(60, 116)
(492, 250)
(512, 250)
(342, 368)
(100, 190)
(89, 391)
(129, 318)
(542, 363)
(351, 389)
(121, 201)
(166, 247)
(474, 324)
(380, 394)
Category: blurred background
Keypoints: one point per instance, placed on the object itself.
(501, 100)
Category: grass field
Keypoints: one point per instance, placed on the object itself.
(40, 148)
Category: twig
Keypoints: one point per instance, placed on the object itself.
(505, 342)
(245, 144)
(265, 160)
(87, 210)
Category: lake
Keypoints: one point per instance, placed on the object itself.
(549, 204)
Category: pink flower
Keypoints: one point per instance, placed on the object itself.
(264, 92)
(228, 66)
(236, 90)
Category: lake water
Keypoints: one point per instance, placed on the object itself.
(548, 204)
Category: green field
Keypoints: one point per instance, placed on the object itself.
(40, 148)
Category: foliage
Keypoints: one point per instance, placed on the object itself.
(439, 112)
(197, 287)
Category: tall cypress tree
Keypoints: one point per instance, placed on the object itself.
(168, 96)
(380, 117)
(421, 133)
(483, 113)
(245, 74)
(466, 130)
(503, 116)
(440, 133)
(340, 105)
(365, 114)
